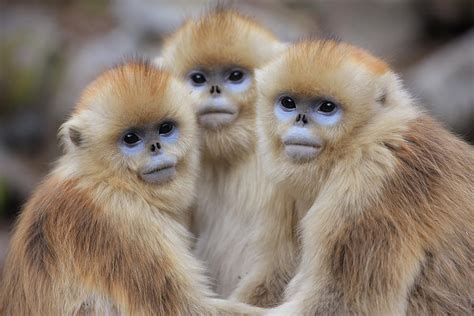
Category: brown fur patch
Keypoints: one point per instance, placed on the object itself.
(66, 229)
(426, 208)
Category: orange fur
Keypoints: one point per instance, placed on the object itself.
(389, 224)
(97, 239)
(222, 37)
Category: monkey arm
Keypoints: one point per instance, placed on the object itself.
(265, 284)
(140, 271)
(144, 265)
(362, 264)
(66, 248)
(105, 255)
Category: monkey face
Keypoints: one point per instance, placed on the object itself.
(303, 117)
(145, 148)
(314, 104)
(216, 55)
(222, 93)
(137, 121)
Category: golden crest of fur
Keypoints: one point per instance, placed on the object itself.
(222, 37)
(245, 228)
(389, 224)
(95, 238)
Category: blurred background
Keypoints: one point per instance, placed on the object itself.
(50, 50)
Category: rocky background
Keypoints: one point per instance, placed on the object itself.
(49, 51)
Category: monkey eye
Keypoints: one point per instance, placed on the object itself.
(327, 107)
(288, 103)
(131, 139)
(166, 128)
(198, 78)
(236, 76)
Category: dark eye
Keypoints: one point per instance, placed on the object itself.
(131, 138)
(198, 78)
(327, 107)
(236, 76)
(288, 103)
(166, 128)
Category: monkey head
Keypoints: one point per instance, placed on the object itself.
(318, 102)
(136, 123)
(216, 56)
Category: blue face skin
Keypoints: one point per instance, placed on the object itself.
(304, 114)
(217, 88)
(147, 145)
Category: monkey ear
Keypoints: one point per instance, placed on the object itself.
(75, 136)
(386, 86)
(381, 97)
(70, 136)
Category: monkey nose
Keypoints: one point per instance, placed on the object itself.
(155, 147)
(301, 119)
(215, 89)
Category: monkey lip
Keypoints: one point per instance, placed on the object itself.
(302, 150)
(158, 169)
(213, 117)
(208, 111)
(159, 174)
(302, 143)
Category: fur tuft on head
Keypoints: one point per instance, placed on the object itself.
(220, 37)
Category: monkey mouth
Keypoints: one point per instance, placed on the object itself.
(214, 117)
(303, 143)
(208, 111)
(159, 174)
(158, 169)
(302, 150)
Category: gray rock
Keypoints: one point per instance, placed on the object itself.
(162, 17)
(90, 59)
(444, 83)
(29, 42)
(389, 29)
(4, 241)
(32, 35)
(155, 16)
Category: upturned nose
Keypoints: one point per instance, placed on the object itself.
(215, 89)
(155, 147)
(301, 120)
